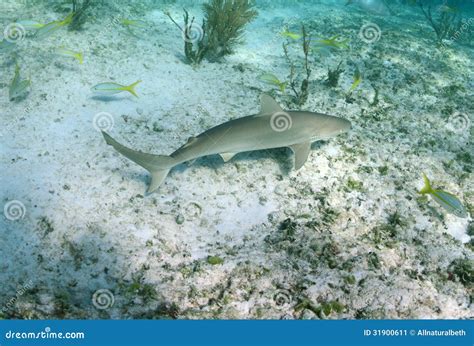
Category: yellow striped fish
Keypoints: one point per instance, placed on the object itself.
(445, 199)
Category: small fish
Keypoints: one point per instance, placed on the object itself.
(67, 20)
(115, 88)
(67, 52)
(273, 80)
(17, 86)
(50, 28)
(133, 23)
(332, 43)
(448, 9)
(6, 46)
(30, 24)
(357, 80)
(289, 34)
(448, 201)
(47, 30)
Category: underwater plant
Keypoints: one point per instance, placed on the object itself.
(447, 23)
(300, 91)
(195, 46)
(222, 28)
(225, 22)
(445, 199)
(79, 10)
(333, 75)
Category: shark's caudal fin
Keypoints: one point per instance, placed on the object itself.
(158, 165)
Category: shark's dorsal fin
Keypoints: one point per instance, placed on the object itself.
(227, 156)
(268, 106)
(301, 151)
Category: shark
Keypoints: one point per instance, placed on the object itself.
(272, 127)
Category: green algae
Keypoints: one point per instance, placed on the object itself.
(215, 260)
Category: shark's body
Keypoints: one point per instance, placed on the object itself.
(271, 128)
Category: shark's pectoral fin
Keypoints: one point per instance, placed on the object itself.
(157, 178)
(268, 106)
(227, 156)
(301, 151)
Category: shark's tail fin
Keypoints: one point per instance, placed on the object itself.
(158, 165)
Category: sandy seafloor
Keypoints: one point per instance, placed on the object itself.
(346, 236)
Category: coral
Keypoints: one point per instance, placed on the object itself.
(222, 28)
(214, 260)
(447, 23)
(333, 75)
(79, 8)
(225, 22)
(195, 48)
(300, 95)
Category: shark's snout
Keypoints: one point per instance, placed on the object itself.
(337, 126)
